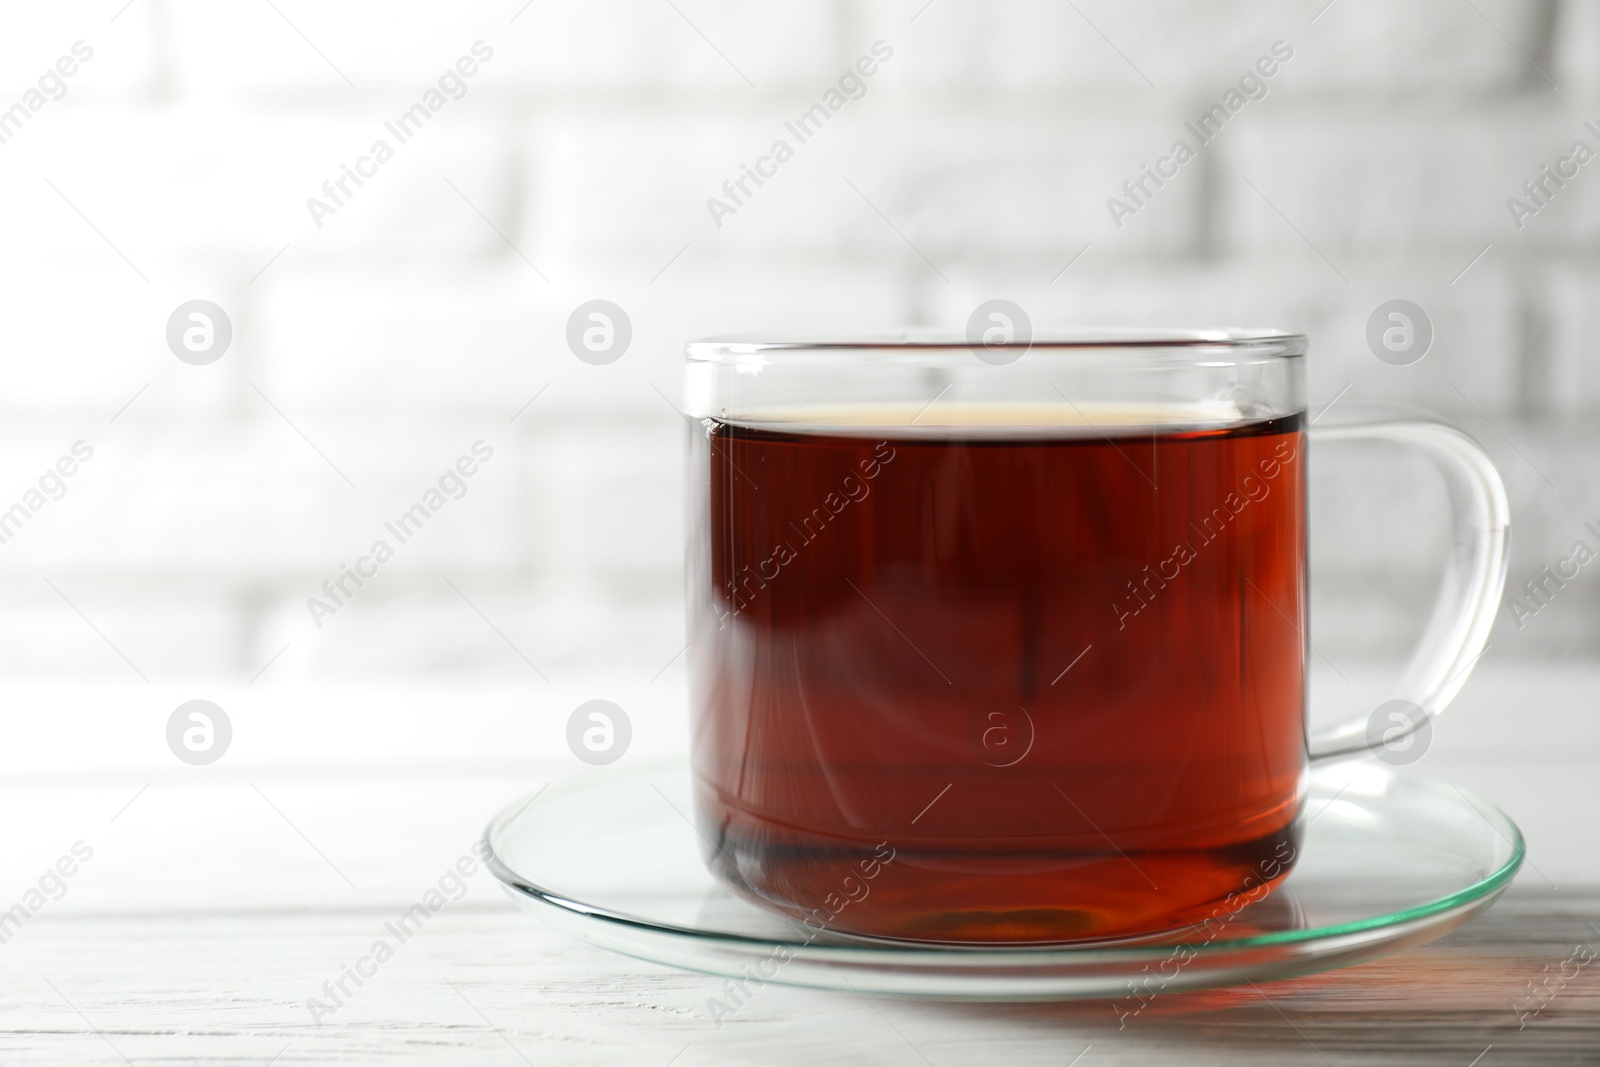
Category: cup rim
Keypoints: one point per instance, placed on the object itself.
(1185, 344)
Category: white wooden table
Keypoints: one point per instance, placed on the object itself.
(219, 899)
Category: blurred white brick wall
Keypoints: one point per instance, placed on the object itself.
(372, 351)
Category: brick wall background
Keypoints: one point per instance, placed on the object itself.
(371, 351)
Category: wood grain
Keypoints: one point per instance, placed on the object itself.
(483, 983)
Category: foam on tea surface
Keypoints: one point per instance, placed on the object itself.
(1065, 418)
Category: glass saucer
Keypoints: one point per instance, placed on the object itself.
(1388, 862)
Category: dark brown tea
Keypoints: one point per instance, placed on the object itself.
(969, 687)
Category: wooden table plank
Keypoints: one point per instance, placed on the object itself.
(233, 987)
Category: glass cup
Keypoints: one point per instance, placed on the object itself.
(1006, 642)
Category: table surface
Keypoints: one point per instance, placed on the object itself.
(218, 900)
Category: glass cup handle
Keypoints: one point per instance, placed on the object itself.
(1474, 576)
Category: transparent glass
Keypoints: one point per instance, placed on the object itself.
(1029, 616)
(1475, 573)
(910, 381)
(1389, 862)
